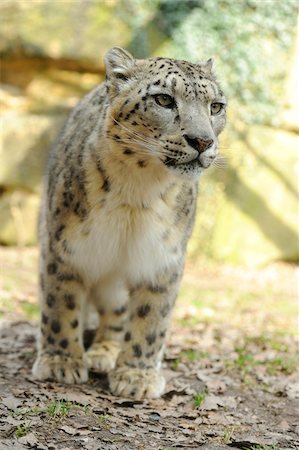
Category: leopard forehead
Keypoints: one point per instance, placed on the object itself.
(185, 73)
(168, 66)
(179, 78)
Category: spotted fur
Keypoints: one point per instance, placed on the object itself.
(118, 210)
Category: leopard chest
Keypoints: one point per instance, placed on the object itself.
(133, 243)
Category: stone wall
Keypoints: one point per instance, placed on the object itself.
(247, 211)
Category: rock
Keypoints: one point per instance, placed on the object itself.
(26, 140)
(247, 212)
(18, 212)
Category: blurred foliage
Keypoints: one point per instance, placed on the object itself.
(248, 39)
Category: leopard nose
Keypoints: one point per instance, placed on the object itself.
(200, 144)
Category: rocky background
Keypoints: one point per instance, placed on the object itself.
(51, 54)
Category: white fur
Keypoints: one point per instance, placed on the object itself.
(124, 243)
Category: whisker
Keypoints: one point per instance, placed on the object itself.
(137, 143)
(133, 133)
(156, 146)
(218, 164)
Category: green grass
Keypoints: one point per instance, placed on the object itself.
(27, 412)
(102, 418)
(199, 398)
(22, 430)
(231, 302)
(245, 360)
(193, 355)
(59, 408)
(174, 364)
(263, 447)
(287, 365)
(30, 310)
(227, 435)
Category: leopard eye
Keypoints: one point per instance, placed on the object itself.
(216, 108)
(165, 100)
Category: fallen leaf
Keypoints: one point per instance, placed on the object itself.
(283, 426)
(69, 430)
(292, 390)
(29, 439)
(12, 402)
(212, 402)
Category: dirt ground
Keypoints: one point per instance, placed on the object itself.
(231, 365)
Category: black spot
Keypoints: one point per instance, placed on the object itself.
(150, 354)
(127, 151)
(151, 338)
(64, 343)
(143, 310)
(106, 181)
(50, 340)
(156, 83)
(58, 232)
(42, 282)
(116, 329)
(45, 319)
(128, 336)
(173, 277)
(80, 210)
(142, 163)
(55, 326)
(74, 323)
(52, 268)
(163, 334)
(120, 311)
(157, 289)
(51, 300)
(69, 301)
(68, 198)
(65, 246)
(64, 276)
(106, 185)
(137, 352)
(165, 310)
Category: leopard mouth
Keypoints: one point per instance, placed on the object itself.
(193, 164)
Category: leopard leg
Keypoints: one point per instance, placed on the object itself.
(111, 298)
(137, 373)
(60, 353)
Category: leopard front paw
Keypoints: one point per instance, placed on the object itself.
(103, 355)
(136, 383)
(61, 368)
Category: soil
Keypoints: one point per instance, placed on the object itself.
(231, 369)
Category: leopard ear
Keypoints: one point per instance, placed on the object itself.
(208, 67)
(118, 63)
